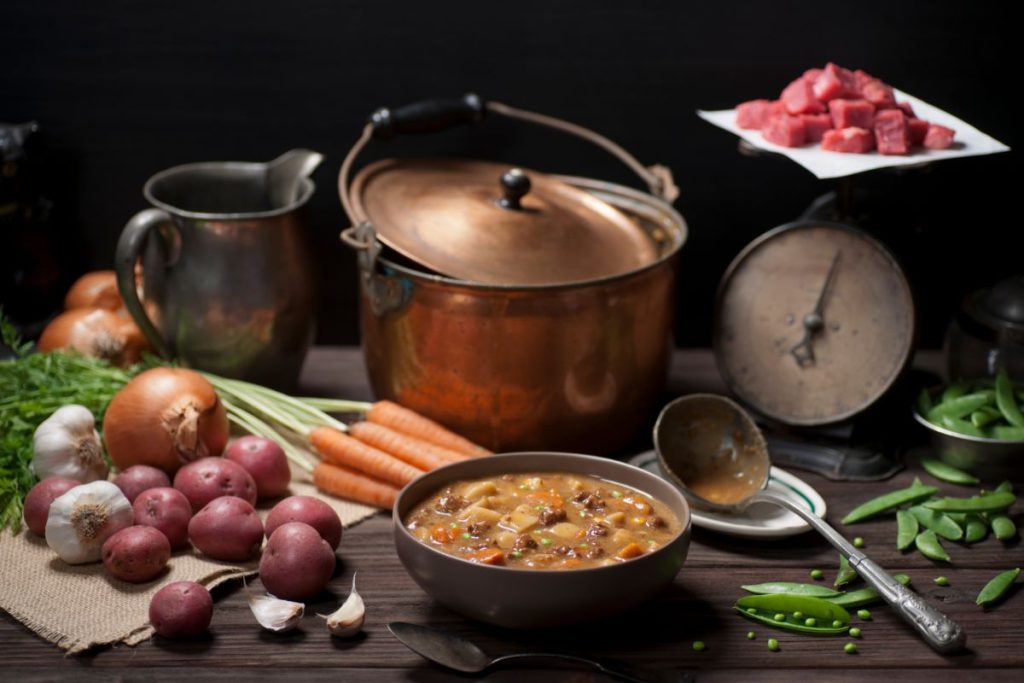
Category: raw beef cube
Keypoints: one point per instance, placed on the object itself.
(785, 130)
(907, 109)
(798, 98)
(938, 137)
(811, 75)
(816, 125)
(878, 93)
(891, 133)
(754, 114)
(835, 81)
(853, 140)
(918, 130)
(852, 114)
(860, 77)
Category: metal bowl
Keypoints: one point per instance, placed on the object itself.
(535, 598)
(988, 458)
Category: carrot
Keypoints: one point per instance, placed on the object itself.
(487, 556)
(345, 483)
(408, 422)
(630, 551)
(338, 448)
(416, 452)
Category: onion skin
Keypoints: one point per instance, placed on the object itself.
(95, 332)
(165, 417)
(97, 289)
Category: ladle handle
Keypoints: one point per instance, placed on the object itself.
(939, 631)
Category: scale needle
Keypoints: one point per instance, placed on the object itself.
(814, 321)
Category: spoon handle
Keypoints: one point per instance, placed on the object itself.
(939, 631)
(620, 670)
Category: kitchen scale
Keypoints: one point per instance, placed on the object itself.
(814, 324)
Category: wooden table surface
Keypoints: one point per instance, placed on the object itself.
(658, 635)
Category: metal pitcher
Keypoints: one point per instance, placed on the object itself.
(225, 280)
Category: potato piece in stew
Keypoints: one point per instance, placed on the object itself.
(546, 520)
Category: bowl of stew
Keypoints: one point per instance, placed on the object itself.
(528, 540)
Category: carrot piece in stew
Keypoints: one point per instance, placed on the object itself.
(487, 556)
(345, 483)
(403, 420)
(337, 448)
(630, 551)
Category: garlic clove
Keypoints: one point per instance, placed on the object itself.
(348, 619)
(275, 614)
(66, 444)
(84, 517)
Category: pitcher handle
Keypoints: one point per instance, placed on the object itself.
(129, 248)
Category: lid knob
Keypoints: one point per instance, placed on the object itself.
(514, 184)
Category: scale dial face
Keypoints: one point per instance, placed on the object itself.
(814, 322)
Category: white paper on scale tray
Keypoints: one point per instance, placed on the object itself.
(969, 142)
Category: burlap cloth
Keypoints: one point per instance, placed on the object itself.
(81, 606)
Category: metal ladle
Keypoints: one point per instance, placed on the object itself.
(712, 450)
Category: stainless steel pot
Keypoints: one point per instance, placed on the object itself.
(538, 359)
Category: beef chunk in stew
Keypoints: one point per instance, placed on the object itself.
(524, 542)
(451, 503)
(479, 528)
(549, 516)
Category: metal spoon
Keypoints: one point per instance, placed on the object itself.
(711, 448)
(455, 652)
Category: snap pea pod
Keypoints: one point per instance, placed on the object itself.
(930, 546)
(907, 527)
(953, 391)
(924, 402)
(944, 472)
(1004, 487)
(990, 502)
(765, 609)
(845, 574)
(1003, 527)
(997, 587)
(889, 501)
(961, 406)
(975, 528)
(864, 596)
(789, 588)
(985, 415)
(955, 424)
(958, 517)
(1004, 433)
(938, 522)
(1005, 400)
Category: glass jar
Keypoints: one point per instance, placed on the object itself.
(987, 333)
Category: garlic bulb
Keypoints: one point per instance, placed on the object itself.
(83, 518)
(348, 619)
(275, 614)
(66, 444)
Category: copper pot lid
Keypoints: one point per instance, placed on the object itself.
(490, 223)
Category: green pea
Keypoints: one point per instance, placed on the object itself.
(997, 587)
(850, 648)
(907, 526)
(928, 543)
(837, 624)
(890, 501)
(858, 542)
(751, 635)
(773, 645)
(990, 502)
(780, 617)
(855, 632)
(1005, 401)
(751, 610)
(941, 581)
(863, 614)
(810, 621)
(817, 574)
(798, 615)
(944, 472)
(699, 646)
(1003, 527)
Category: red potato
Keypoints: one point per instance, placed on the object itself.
(139, 478)
(265, 461)
(311, 511)
(136, 554)
(228, 528)
(208, 478)
(182, 609)
(297, 563)
(168, 511)
(39, 499)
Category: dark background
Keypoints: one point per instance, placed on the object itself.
(124, 89)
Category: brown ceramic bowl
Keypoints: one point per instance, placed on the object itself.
(534, 598)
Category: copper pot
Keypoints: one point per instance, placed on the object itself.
(520, 335)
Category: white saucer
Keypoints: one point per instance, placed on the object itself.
(759, 520)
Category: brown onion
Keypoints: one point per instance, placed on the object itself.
(165, 417)
(97, 289)
(95, 332)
